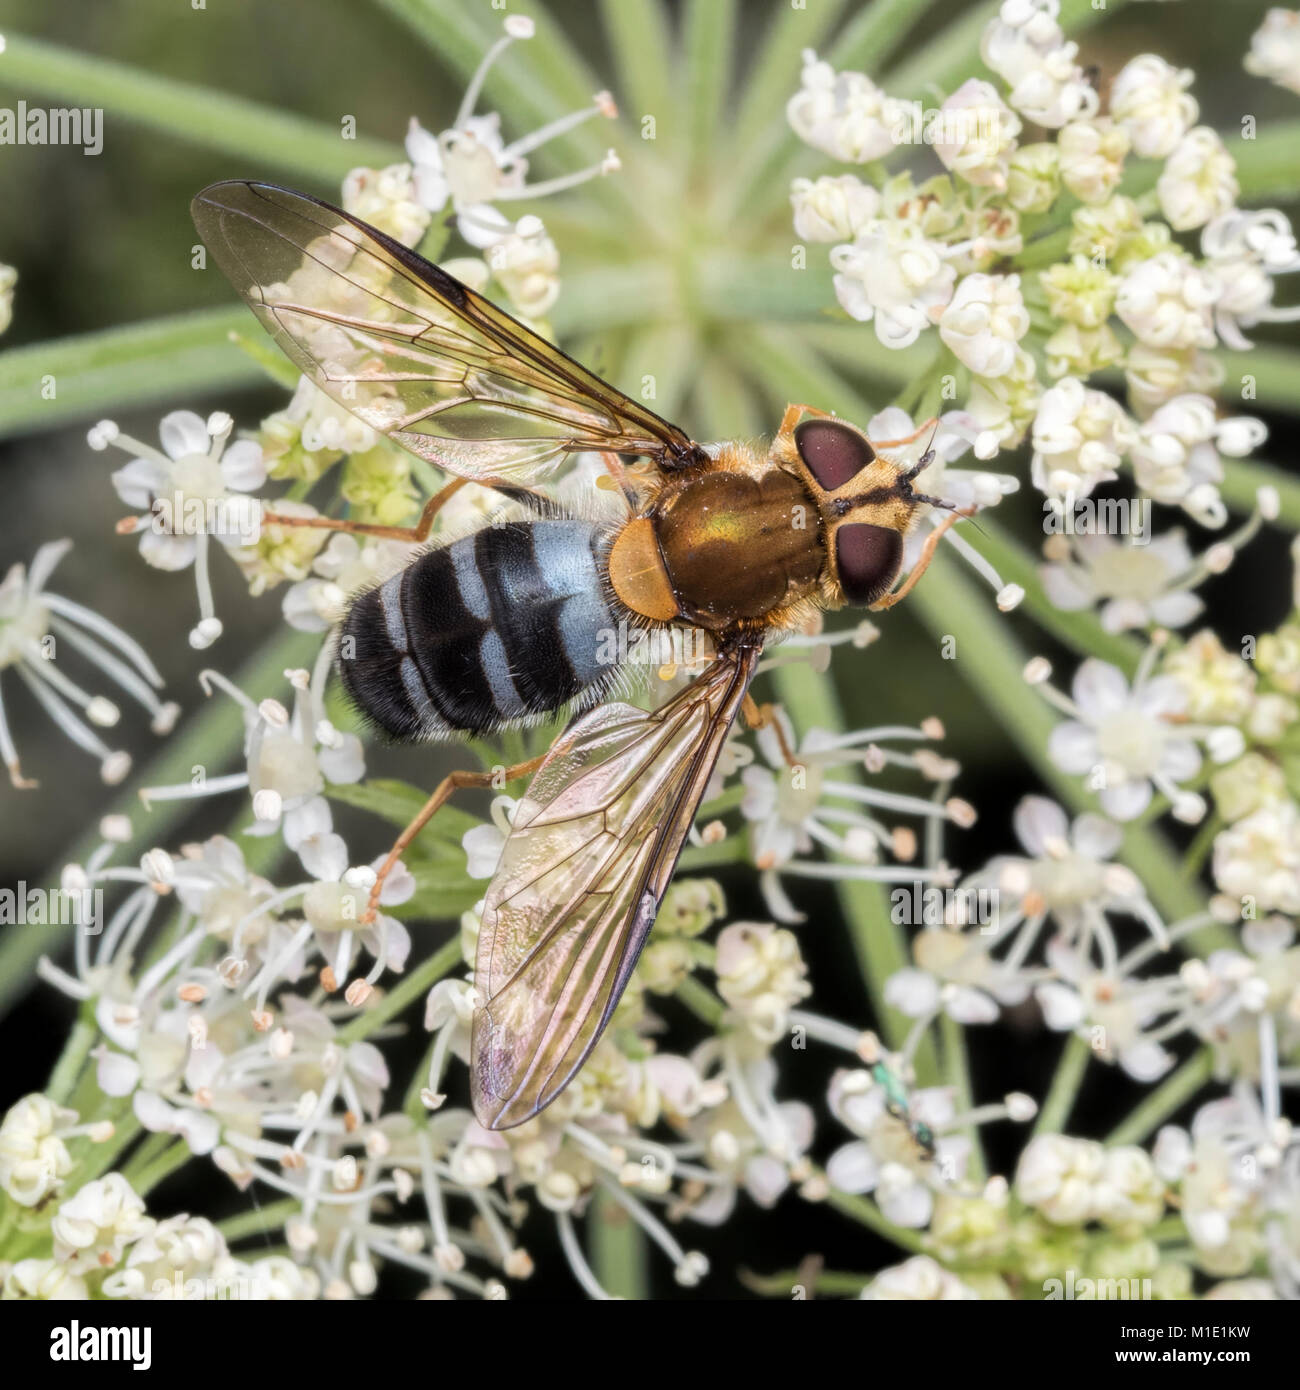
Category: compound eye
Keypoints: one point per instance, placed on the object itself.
(868, 559)
(833, 451)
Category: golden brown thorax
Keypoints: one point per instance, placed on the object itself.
(721, 545)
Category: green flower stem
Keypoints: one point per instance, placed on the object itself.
(1244, 477)
(640, 37)
(701, 1001)
(122, 367)
(728, 851)
(616, 1249)
(75, 1051)
(864, 1211)
(148, 1176)
(258, 1221)
(1172, 1093)
(824, 1281)
(1075, 1056)
(412, 985)
(956, 1074)
(708, 37)
(262, 135)
(146, 1153)
(212, 737)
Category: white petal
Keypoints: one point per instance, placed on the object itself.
(964, 1005)
(242, 465)
(324, 856)
(1127, 801)
(139, 482)
(166, 552)
(346, 763)
(1073, 747)
(1099, 688)
(1037, 821)
(912, 992)
(853, 1169)
(183, 432)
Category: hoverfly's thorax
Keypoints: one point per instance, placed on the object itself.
(737, 547)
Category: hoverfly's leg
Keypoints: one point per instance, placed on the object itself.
(616, 478)
(922, 564)
(453, 781)
(418, 532)
(764, 717)
(793, 413)
(879, 444)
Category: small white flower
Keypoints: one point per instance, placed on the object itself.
(33, 1156)
(832, 209)
(1026, 47)
(94, 1227)
(1125, 739)
(984, 322)
(842, 114)
(43, 1279)
(36, 627)
(1092, 158)
(983, 131)
(188, 490)
(1059, 1176)
(1155, 375)
(1168, 301)
(1257, 859)
(470, 165)
(1136, 585)
(1245, 251)
(1079, 436)
(761, 975)
(894, 274)
(921, 1280)
(1003, 407)
(1275, 49)
(1199, 181)
(346, 566)
(526, 265)
(1149, 98)
(1176, 456)
(385, 198)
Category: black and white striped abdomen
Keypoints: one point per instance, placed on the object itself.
(501, 626)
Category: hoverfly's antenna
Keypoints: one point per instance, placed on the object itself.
(926, 459)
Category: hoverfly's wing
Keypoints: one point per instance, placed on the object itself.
(593, 847)
(413, 353)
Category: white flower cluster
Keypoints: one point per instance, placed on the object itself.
(952, 254)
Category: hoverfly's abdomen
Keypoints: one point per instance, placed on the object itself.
(502, 626)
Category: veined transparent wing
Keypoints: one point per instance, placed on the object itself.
(593, 847)
(411, 351)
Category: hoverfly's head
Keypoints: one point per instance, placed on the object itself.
(867, 505)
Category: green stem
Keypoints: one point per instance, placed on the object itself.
(1172, 1093)
(150, 1175)
(956, 1073)
(701, 1001)
(864, 1211)
(262, 135)
(1075, 1056)
(259, 1220)
(120, 368)
(75, 1051)
(616, 1249)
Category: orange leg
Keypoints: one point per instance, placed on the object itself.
(878, 444)
(792, 413)
(922, 564)
(453, 781)
(764, 716)
(418, 532)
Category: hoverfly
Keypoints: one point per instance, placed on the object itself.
(500, 628)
